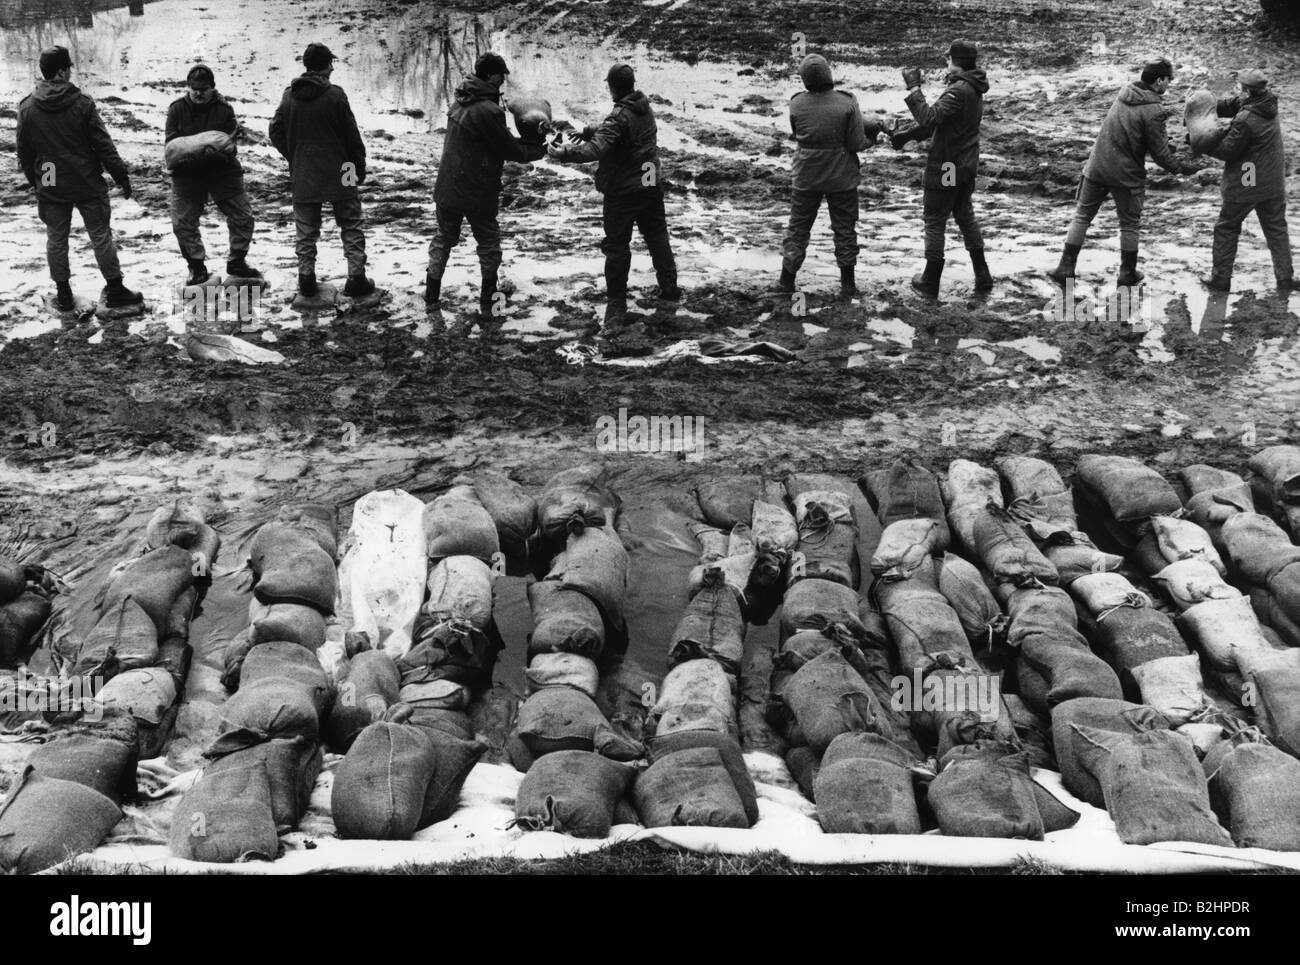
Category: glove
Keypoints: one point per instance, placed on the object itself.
(900, 138)
(125, 185)
(912, 77)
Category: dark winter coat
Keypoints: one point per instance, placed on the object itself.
(1254, 137)
(224, 177)
(627, 145)
(58, 125)
(475, 150)
(1134, 127)
(953, 125)
(315, 130)
(827, 126)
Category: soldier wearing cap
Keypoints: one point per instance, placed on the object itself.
(63, 150)
(316, 132)
(1254, 179)
(468, 188)
(221, 178)
(627, 146)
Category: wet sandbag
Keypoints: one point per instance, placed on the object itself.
(728, 501)
(1074, 555)
(967, 488)
(1256, 792)
(1181, 539)
(1038, 609)
(182, 524)
(457, 524)
(436, 721)
(1200, 478)
(451, 649)
(292, 622)
(1172, 685)
(1051, 672)
(1130, 637)
(579, 493)
(572, 792)
(908, 491)
(595, 563)
(1284, 587)
(566, 719)
(292, 767)
(266, 709)
(155, 581)
(1074, 755)
(1192, 581)
(226, 817)
(562, 670)
(124, 638)
(564, 621)
(688, 788)
(732, 759)
(827, 550)
(1131, 492)
(1257, 546)
(1274, 679)
(1007, 551)
(828, 697)
(712, 627)
(13, 580)
(985, 792)
(368, 685)
(379, 787)
(696, 695)
(922, 626)
(318, 519)
(288, 661)
(456, 757)
(970, 598)
(773, 529)
(439, 693)
(1205, 129)
(804, 765)
(46, 820)
(1154, 787)
(864, 786)
(1038, 494)
(815, 604)
(1275, 478)
(904, 547)
(146, 694)
(100, 756)
(1272, 618)
(1211, 510)
(20, 621)
(289, 566)
(512, 509)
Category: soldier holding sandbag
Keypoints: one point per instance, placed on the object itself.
(217, 175)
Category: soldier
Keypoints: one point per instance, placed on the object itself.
(315, 131)
(1254, 179)
(828, 129)
(63, 150)
(203, 109)
(627, 146)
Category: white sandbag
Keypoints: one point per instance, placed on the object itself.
(1172, 685)
(1192, 581)
(1181, 539)
(460, 588)
(1220, 628)
(382, 575)
(904, 547)
(734, 572)
(562, 670)
(773, 529)
(1100, 592)
(713, 541)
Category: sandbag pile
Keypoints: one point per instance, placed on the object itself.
(1265, 560)
(1119, 496)
(1275, 484)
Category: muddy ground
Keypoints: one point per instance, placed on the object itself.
(103, 421)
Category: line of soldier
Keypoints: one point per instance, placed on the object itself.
(315, 130)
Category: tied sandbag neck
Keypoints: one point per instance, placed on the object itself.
(817, 525)
(1134, 599)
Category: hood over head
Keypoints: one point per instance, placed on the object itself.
(309, 86)
(474, 89)
(974, 76)
(55, 95)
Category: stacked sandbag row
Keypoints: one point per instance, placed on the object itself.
(573, 758)
(1275, 484)
(267, 753)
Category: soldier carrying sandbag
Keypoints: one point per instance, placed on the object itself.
(1134, 127)
(315, 130)
(217, 175)
(468, 188)
(627, 146)
(63, 150)
(1254, 179)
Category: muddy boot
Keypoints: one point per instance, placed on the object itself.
(848, 286)
(983, 277)
(241, 269)
(307, 286)
(117, 295)
(358, 286)
(198, 271)
(927, 282)
(487, 295)
(63, 296)
(1288, 284)
(668, 288)
(615, 309)
(786, 284)
(432, 289)
(1065, 267)
(1128, 271)
(1217, 283)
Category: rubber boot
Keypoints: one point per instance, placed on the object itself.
(848, 286)
(307, 286)
(1065, 267)
(1128, 273)
(198, 271)
(1217, 283)
(927, 282)
(668, 288)
(63, 296)
(432, 288)
(615, 309)
(241, 269)
(983, 277)
(786, 284)
(358, 286)
(117, 295)
(487, 295)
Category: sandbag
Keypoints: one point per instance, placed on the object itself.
(985, 792)
(20, 621)
(226, 817)
(1129, 491)
(318, 519)
(1051, 670)
(1192, 581)
(367, 686)
(451, 649)
(572, 792)
(815, 604)
(291, 622)
(457, 524)
(904, 547)
(908, 491)
(198, 151)
(566, 719)
(925, 630)
(379, 787)
(1181, 539)
(1272, 618)
(436, 721)
(438, 693)
(564, 621)
(1211, 510)
(1130, 637)
(733, 571)
(688, 788)
(182, 524)
(292, 767)
(1256, 792)
(773, 529)
(1075, 755)
(1101, 592)
(562, 669)
(46, 820)
(100, 758)
(288, 661)
(383, 573)
(513, 510)
(1284, 587)
(1074, 555)
(712, 627)
(728, 501)
(835, 504)
(1038, 494)
(1007, 552)
(1200, 478)
(970, 598)
(827, 550)
(732, 759)
(265, 709)
(864, 786)
(580, 493)
(1153, 786)
(1205, 129)
(804, 766)
(595, 563)
(460, 588)
(828, 697)
(289, 566)
(529, 114)
(1274, 679)
(967, 488)
(1038, 610)
(1172, 685)
(144, 693)
(1275, 478)
(155, 581)
(124, 638)
(13, 580)
(696, 695)
(456, 757)
(1257, 546)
